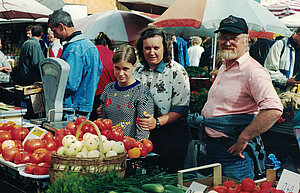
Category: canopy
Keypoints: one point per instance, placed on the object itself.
(292, 21)
(202, 17)
(148, 6)
(284, 8)
(23, 9)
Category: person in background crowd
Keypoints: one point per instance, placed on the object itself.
(260, 49)
(28, 32)
(283, 61)
(170, 88)
(5, 69)
(242, 104)
(31, 55)
(126, 99)
(85, 65)
(207, 56)
(105, 47)
(55, 48)
(195, 51)
(180, 51)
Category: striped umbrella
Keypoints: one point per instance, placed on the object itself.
(284, 8)
(202, 17)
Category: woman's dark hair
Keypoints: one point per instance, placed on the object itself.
(103, 40)
(126, 54)
(150, 32)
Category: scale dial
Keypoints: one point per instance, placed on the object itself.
(50, 69)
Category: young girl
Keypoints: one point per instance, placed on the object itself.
(126, 99)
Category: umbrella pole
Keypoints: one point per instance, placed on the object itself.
(214, 47)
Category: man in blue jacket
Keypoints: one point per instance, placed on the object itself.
(85, 65)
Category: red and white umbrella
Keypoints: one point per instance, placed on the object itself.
(284, 8)
(202, 17)
(148, 6)
(23, 9)
(119, 26)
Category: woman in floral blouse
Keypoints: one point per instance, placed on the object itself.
(126, 99)
(169, 85)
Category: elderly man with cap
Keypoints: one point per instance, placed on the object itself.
(241, 105)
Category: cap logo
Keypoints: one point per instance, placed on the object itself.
(230, 20)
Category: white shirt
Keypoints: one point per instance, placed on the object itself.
(195, 55)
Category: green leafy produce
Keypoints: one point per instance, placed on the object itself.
(197, 72)
(96, 183)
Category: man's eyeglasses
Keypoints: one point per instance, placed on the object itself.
(231, 39)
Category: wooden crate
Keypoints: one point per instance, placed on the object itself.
(28, 90)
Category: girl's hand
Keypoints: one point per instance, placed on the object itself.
(99, 111)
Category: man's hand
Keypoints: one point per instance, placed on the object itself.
(238, 148)
(5, 68)
(292, 82)
(148, 123)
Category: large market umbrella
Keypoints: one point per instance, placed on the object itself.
(292, 21)
(284, 8)
(202, 17)
(23, 9)
(148, 6)
(120, 26)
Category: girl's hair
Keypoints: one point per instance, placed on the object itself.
(126, 54)
(102, 39)
(150, 32)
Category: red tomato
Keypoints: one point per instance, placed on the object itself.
(87, 128)
(39, 155)
(29, 168)
(256, 189)
(41, 169)
(272, 190)
(127, 143)
(279, 191)
(117, 134)
(9, 153)
(0, 147)
(139, 144)
(266, 185)
(48, 136)
(22, 157)
(220, 189)
(18, 144)
(19, 133)
(248, 184)
(229, 183)
(264, 191)
(7, 126)
(72, 127)
(79, 120)
(32, 144)
(100, 124)
(232, 189)
(107, 123)
(144, 151)
(148, 144)
(239, 187)
(50, 145)
(133, 141)
(106, 133)
(58, 140)
(5, 135)
(80, 135)
(48, 157)
(59, 132)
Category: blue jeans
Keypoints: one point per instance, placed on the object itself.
(232, 166)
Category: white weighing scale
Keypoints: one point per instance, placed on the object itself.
(54, 74)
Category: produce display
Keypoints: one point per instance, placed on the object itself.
(247, 185)
(36, 153)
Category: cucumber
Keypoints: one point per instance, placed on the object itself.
(135, 190)
(157, 188)
(173, 189)
(168, 191)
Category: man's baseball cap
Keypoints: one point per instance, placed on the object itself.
(233, 24)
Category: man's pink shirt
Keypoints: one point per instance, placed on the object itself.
(245, 87)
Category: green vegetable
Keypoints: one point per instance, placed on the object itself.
(168, 191)
(135, 190)
(157, 188)
(173, 189)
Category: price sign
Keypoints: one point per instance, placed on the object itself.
(289, 182)
(196, 187)
(35, 133)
